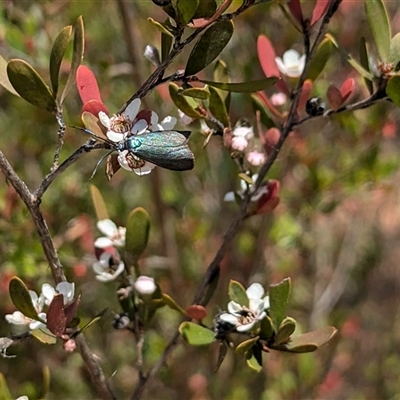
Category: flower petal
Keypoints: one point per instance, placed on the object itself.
(234, 307)
(67, 290)
(168, 123)
(115, 136)
(255, 291)
(103, 242)
(146, 169)
(107, 227)
(229, 318)
(17, 318)
(145, 285)
(133, 108)
(48, 292)
(246, 327)
(104, 119)
(139, 127)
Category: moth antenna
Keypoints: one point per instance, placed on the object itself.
(89, 132)
(98, 164)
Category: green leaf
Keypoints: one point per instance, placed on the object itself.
(186, 10)
(44, 336)
(99, 203)
(77, 56)
(4, 81)
(196, 335)
(246, 345)
(166, 42)
(267, 328)
(253, 363)
(309, 341)
(237, 293)
(364, 60)
(394, 52)
(217, 107)
(186, 105)
(208, 48)
(137, 232)
(286, 330)
(21, 298)
(380, 26)
(258, 105)
(243, 87)
(318, 62)
(91, 322)
(29, 85)
(57, 53)
(4, 391)
(162, 27)
(171, 303)
(362, 71)
(246, 178)
(220, 74)
(278, 298)
(206, 9)
(393, 89)
(196, 93)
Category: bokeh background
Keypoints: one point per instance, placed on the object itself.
(336, 232)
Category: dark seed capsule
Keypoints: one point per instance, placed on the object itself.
(161, 2)
(314, 106)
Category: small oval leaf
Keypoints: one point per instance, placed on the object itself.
(334, 97)
(99, 203)
(21, 298)
(246, 345)
(209, 47)
(237, 293)
(253, 363)
(56, 319)
(321, 56)
(380, 26)
(278, 298)
(171, 303)
(244, 87)
(286, 330)
(184, 104)
(196, 335)
(29, 85)
(393, 89)
(137, 232)
(394, 52)
(217, 107)
(162, 27)
(196, 93)
(77, 56)
(57, 53)
(186, 10)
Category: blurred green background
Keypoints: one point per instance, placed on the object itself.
(336, 231)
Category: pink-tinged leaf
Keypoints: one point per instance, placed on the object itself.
(86, 84)
(319, 10)
(266, 55)
(56, 319)
(295, 9)
(347, 89)
(94, 107)
(70, 310)
(196, 312)
(334, 97)
(270, 139)
(202, 22)
(305, 94)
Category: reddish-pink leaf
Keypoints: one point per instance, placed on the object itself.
(319, 10)
(270, 139)
(270, 200)
(196, 312)
(56, 319)
(334, 97)
(70, 310)
(347, 89)
(94, 107)
(86, 84)
(305, 94)
(295, 9)
(266, 55)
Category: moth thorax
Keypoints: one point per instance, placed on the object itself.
(133, 161)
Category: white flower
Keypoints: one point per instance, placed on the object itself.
(239, 143)
(145, 285)
(230, 196)
(255, 158)
(278, 99)
(119, 127)
(22, 398)
(242, 134)
(105, 273)
(245, 318)
(184, 119)
(115, 236)
(292, 64)
(65, 288)
(166, 124)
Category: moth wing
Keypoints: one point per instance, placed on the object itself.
(167, 149)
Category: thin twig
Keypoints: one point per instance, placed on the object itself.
(60, 139)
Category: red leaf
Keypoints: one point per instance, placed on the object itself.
(346, 89)
(266, 55)
(319, 10)
(334, 97)
(196, 312)
(87, 85)
(70, 310)
(295, 9)
(56, 320)
(270, 200)
(270, 139)
(94, 107)
(305, 94)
